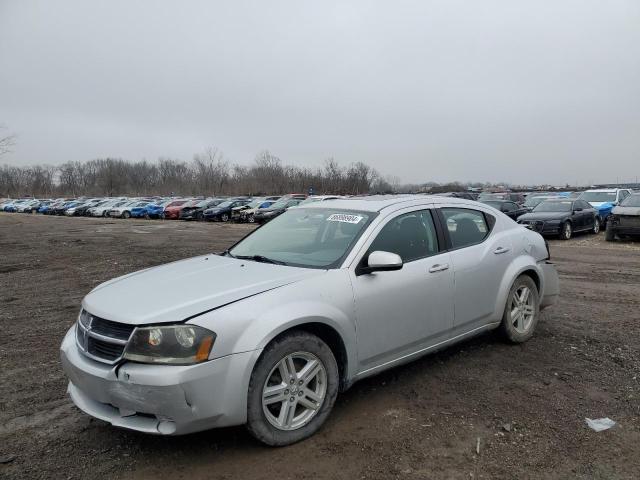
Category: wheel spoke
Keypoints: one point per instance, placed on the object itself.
(528, 310)
(312, 395)
(305, 402)
(309, 371)
(285, 412)
(287, 369)
(524, 295)
(520, 325)
(274, 394)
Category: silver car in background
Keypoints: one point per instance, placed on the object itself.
(268, 332)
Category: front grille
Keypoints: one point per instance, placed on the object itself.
(103, 349)
(100, 339)
(629, 221)
(108, 328)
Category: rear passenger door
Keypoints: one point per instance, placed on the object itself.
(479, 257)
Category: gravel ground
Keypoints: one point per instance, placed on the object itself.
(524, 404)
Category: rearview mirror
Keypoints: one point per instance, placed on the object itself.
(380, 261)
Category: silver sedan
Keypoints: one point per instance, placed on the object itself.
(268, 332)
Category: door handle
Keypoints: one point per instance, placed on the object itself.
(439, 267)
(500, 250)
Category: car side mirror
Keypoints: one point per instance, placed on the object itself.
(380, 261)
(577, 209)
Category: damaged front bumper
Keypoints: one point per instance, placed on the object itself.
(161, 399)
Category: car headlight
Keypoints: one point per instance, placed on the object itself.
(173, 345)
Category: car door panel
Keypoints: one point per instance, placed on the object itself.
(478, 273)
(403, 311)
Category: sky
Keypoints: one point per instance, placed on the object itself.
(537, 91)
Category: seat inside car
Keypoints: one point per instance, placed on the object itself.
(466, 233)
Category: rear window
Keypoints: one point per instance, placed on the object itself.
(465, 226)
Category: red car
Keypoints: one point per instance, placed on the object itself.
(172, 211)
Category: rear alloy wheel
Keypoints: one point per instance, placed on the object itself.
(292, 390)
(522, 310)
(596, 226)
(566, 231)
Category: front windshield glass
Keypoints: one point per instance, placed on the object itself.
(534, 201)
(226, 204)
(313, 238)
(631, 201)
(282, 203)
(598, 196)
(554, 206)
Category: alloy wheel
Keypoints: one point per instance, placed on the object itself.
(566, 231)
(522, 309)
(294, 391)
(596, 226)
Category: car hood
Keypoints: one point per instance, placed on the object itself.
(626, 211)
(177, 291)
(601, 205)
(543, 216)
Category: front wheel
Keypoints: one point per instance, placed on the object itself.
(566, 231)
(292, 389)
(224, 217)
(126, 214)
(521, 313)
(610, 235)
(596, 226)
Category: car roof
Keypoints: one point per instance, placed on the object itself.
(377, 203)
(604, 190)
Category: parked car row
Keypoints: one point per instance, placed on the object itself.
(222, 209)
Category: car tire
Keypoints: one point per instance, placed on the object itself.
(566, 231)
(126, 214)
(224, 217)
(261, 419)
(251, 219)
(610, 235)
(520, 317)
(596, 227)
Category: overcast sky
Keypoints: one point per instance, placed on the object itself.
(520, 91)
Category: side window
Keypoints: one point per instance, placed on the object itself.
(465, 226)
(623, 194)
(411, 235)
(509, 207)
(584, 205)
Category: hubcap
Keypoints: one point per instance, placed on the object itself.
(522, 309)
(567, 230)
(596, 226)
(294, 391)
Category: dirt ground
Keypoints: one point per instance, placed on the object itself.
(526, 404)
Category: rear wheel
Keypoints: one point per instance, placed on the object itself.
(224, 217)
(521, 313)
(292, 389)
(596, 226)
(126, 214)
(566, 231)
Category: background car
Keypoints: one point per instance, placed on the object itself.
(172, 210)
(247, 213)
(562, 217)
(624, 221)
(509, 208)
(195, 210)
(603, 200)
(222, 211)
(264, 215)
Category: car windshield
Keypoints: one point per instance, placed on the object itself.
(631, 201)
(554, 206)
(226, 204)
(598, 196)
(256, 203)
(534, 201)
(493, 203)
(312, 238)
(282, 203)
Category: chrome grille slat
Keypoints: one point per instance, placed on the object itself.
(100, 339)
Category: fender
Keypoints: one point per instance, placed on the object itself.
(519, 265)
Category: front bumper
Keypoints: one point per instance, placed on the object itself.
(542, 227)
(160, 399)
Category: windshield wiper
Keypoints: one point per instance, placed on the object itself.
(260, 258)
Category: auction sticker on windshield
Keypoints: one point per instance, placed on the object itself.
(343, 217)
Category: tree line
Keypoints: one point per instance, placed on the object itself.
(209, 174)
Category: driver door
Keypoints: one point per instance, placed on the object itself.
(403, 311)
